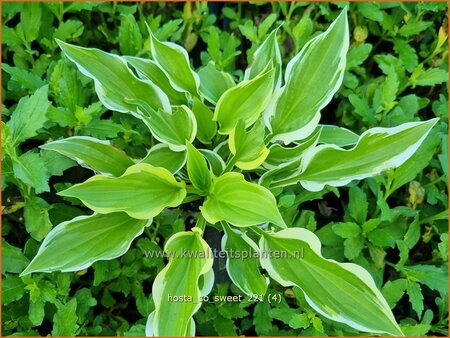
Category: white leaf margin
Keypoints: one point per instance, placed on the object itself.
(313, 241)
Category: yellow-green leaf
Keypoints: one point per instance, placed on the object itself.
(143, 191)
(231, 198)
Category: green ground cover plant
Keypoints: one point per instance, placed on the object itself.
(209, 126)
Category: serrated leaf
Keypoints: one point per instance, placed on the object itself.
(414, 27)
(414, 292)
(435, 277)
(358, 206)
(393, 291)
(23, 77)
(346, 230)
(430, 77)
(13, 260)
(331, 288)
(69, 30)
(181, 278)
(358, 54)
(377, 149)
(65, 320)
(85, 240)
(240, 203)
(295, 112)
(243, 271)
(29, 116)
(130, 37)
(31, 169)
(143, 191)
(407, 54)
(245, 101)
(12, 289)
(92, 153)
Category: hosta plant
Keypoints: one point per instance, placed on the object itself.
(227, 146)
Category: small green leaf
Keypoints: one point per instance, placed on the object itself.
(31, 169)
(12, 289)
(393, 291)
(13, 260)
(23, 77)
(246, 101)
(248, 147)
(414, 292)
(346, 230)
(240, 203)
(29, 115)
(197, 169)
(130, 37)
(65, 320)
(95, 154)
(143, 191)
(358, 206)
(243, 269)
(85, 240)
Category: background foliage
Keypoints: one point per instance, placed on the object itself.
(394, 225)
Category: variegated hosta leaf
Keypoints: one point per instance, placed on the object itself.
(174, 128)
(188, 277)
(279, 156)
(248, 147)
(242, 262)
(216, 162)
(197, 169)
(148, 69)
(240, 203)
(143, 191)
(92, 153)
(268, 52)
(76, 244)
(161, 155)
(246, 101)
(206, 127)
(116, 85)
(377, 149)
(174, 61)
(214, 82)
(312, 77)
(337, 135)
(342, 292)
